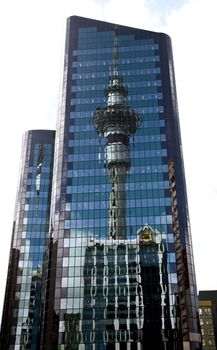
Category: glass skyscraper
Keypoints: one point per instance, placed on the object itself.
(118, 272)
(21, 319)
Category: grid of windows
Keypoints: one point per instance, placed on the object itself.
(207, 326)
(22, 317)
(115, 291)
(207, 309)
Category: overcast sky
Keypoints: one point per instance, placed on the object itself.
(32, 39)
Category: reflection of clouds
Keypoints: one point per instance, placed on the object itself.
(152, 220)
(85, 223)
(74, 261)
(87, 205)
(71, 282)
(25, 248)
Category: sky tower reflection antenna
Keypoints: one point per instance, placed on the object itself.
(117, 122)
(116, 46)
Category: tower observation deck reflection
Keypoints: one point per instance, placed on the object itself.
(117, 122)
(115, 273)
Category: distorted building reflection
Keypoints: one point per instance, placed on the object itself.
(127, 300)
(30, 331)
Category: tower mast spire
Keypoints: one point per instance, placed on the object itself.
(116, 74)
(117, 122)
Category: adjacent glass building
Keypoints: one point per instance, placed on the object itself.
(119, 271)
(208, 318)
(21, 320)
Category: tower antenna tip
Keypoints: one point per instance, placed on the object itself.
(116, 50)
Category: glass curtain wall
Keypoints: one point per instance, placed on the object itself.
(137, 290)
(21, 319)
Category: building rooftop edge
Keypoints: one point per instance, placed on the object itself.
(119, 25)
(39, 130)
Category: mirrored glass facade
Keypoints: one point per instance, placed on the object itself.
(119, 271)
(21, 319)
(122, 256)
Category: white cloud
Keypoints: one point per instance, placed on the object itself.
(193, 29)
(135, 14)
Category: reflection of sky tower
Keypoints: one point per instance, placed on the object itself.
(117, 122)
